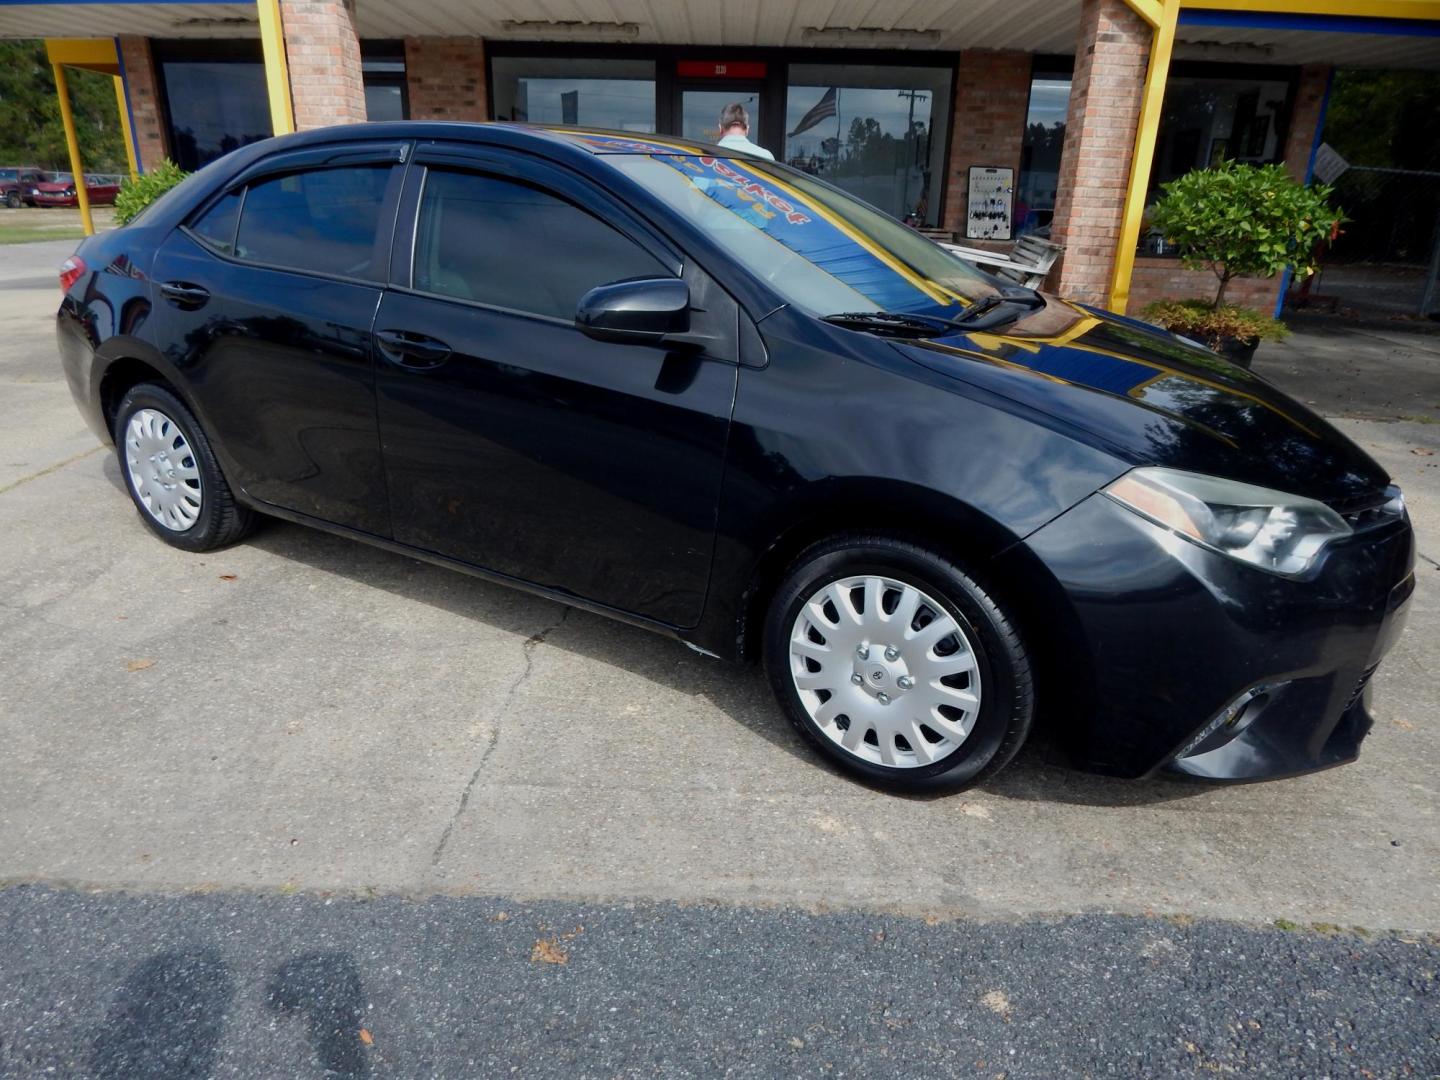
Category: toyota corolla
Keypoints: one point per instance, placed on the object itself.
(715, 397)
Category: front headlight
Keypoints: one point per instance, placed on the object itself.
(1282, 533)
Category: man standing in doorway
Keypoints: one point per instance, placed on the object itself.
(735, 132)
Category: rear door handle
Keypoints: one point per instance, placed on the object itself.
(411, 350)
(183, 294)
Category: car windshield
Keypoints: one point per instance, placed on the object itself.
(819, 248)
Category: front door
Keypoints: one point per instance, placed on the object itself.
(701, 101)
(514, 442)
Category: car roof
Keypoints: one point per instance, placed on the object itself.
(590, 140)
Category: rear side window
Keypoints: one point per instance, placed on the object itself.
(325, 221)
(217, 225)
(513, 246)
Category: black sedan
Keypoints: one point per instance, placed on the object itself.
(715, 397)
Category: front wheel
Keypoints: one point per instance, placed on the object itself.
(172, 475)
(896, 665)
(13, 200)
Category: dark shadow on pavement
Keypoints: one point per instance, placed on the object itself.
(324, 990)
(166, 1020)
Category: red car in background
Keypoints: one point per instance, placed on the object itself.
(58, 189)
(16, 182)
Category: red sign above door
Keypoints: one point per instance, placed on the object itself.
(720, 69)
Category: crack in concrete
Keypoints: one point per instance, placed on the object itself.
(527, 649)
(51, 468)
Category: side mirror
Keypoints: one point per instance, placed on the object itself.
(642, 311)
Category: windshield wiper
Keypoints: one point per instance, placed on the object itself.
(893, 322)
(988, 312)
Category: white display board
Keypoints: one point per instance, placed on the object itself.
(990, 213)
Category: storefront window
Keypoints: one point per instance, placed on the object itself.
(876, 131)
(1207, 121)
(615, 94)
(1040, 154)
(216, 99)
(382, 65)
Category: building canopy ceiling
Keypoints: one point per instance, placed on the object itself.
(1037, 26)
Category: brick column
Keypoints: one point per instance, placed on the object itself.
(1110, 61)
(1305, 118)
(445, 78)
(992, 97)
(140, 85)
(322, 51)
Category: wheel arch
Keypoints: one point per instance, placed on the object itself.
(990, 553)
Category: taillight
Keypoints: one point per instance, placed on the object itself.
(70, 271)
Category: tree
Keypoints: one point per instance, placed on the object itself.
(30, 128)
(1245, 221)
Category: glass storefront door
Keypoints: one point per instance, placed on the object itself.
(700, 108)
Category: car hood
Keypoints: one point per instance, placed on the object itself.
(53, 187)
(1155, 399)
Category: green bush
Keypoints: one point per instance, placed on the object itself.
(1245, 220)
(135, 195)
(1211, 324)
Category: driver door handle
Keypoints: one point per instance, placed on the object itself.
(407, 349)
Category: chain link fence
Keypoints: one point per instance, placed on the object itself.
(1384, 261)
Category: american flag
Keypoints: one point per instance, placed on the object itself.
(823, 109)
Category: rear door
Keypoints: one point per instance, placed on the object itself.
(516, 443)
(265, 300)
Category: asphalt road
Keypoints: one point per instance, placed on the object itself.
(303, 715)
(144, 987)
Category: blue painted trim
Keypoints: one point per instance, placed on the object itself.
(1309, 175)
(1334, 24)
(1316, 142)
(129, 112)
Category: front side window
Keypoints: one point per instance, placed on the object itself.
(818, 247)
(325, 221)
(513, 246)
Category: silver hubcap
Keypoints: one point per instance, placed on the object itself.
(163, 470)
(884, 671)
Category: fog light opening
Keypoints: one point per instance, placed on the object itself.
(1230, 721)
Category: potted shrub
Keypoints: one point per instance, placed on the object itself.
(134, 195)
(1239, 221)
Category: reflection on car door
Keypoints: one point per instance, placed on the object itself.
(266, 299)
(514, 442)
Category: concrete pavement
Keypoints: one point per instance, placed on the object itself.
(304, 713)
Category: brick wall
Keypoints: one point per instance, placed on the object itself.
(992, 96)
(1165, 279)
(322, 51)
(445, 78)
(144, 105)
(1305, 117)
(1110, 63)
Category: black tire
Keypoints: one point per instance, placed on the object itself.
(13, 200)
(221, 519)
(1006, 708)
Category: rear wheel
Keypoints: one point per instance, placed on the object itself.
(896, 665)
(172, 475)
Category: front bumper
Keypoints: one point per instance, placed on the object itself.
(1167, 637)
